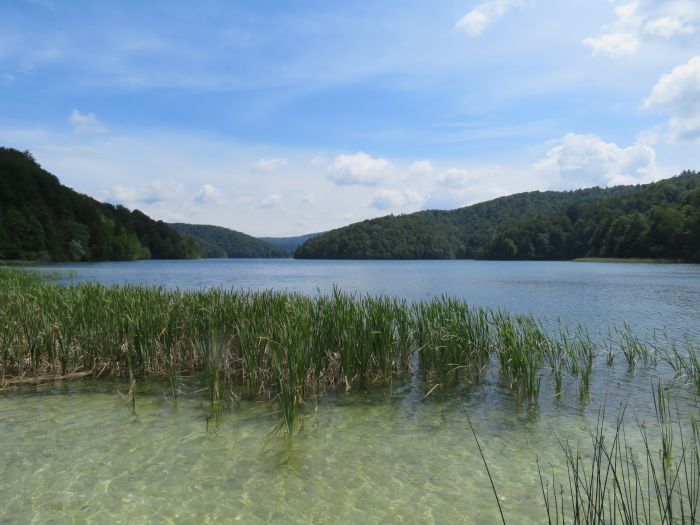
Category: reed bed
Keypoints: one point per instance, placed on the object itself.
(285, 347)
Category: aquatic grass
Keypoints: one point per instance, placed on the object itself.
(287, 348)
(686, 363)
(611, 483)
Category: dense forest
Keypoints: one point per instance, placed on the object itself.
(658, 220)
(40, 219)
(216, 242)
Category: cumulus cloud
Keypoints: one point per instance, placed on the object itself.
(270, 201)
(668, 27)
(587, 160)
(614, 44)
(456, 177)
(392, 199)
(483, 15)
(269, 165)
(421, 167)
(86, 123)
(154, 193)
(678, 92)
(642, 21)
(359, 169)
(209, 194)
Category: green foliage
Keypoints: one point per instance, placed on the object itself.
(456, 234)
(40, 219)
(658, 220)
(218, 242)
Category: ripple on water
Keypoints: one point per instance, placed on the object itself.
(81, 457)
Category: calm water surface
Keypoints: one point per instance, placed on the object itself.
(647, 296)
(74, 453)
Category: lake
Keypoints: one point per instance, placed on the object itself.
(73, 452)
(646, 296)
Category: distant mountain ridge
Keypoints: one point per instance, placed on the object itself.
(220, 242)
(621, 221)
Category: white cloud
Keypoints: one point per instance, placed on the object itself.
(456, 177)
(156, 192)
(587, 160)
(483, 15)
(678, 92)
(360, 169)
(86, 123)
(270, 201)
(642, 21)
(392, 199)
(614, 44)
(209, 194)
(421, 167)
(667, 27)
(269, 165)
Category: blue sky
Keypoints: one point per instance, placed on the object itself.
(282, 118)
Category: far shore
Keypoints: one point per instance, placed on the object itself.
(630, 260)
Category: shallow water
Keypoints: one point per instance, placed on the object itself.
(646, 296)
(74, 453)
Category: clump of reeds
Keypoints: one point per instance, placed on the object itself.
(611, 483)
(285, 347)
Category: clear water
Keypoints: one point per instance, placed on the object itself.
(74, 453)
(646, 296)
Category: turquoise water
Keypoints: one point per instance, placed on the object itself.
(647, 296)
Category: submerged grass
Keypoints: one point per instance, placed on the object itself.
(287, 348)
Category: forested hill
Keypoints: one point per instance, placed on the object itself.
(658, 220)
(436, 234)
(40, 219)
(216, 241)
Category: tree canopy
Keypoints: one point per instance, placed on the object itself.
(657, 220)
(40, 219)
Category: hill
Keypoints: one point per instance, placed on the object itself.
(40, 219)
(216, 241)
(289, 244)
(534, 225)
(655, 221)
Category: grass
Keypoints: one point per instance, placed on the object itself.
(609, 482)
(287, 348)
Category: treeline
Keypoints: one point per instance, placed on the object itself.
(436, 234)
(658, 220)
(219, 242)
(40, 219)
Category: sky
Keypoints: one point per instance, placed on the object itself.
(290, 117)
